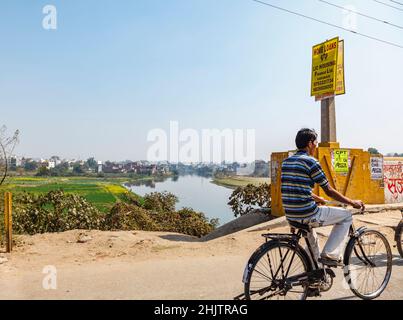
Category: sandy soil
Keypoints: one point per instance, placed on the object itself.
(152, 265)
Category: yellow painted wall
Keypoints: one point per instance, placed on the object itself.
(276, 203)
(356, 184)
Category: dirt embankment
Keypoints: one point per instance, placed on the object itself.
(151, 265)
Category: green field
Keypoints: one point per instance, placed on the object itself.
(240, 181)
(103, 193)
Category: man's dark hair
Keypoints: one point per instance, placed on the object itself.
(304, 136)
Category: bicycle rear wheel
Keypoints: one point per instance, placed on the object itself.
(368, 263)
(268, 270)
(399, 238)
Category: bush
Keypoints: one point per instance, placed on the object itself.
(186, 221)
(53, 212)
(59, 212)
(124, 216)
(160, 201)
(131, 198)
(244, 199)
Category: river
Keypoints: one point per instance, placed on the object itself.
(195, 192)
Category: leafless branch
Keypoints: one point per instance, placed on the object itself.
(7, 146)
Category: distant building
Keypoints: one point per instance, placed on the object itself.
(245, 169)
(261, 168)
(99, 166)
(13, 162)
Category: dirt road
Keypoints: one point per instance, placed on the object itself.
(152, 265)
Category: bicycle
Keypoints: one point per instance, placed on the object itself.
(281, 268)
(399, 236)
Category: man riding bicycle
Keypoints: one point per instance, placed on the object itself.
(299, 174)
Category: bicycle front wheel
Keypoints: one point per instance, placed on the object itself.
(368, 264)
(399, 238)
(269, 270)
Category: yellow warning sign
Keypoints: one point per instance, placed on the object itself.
(324, 67)
(340, 84)
(340, 160)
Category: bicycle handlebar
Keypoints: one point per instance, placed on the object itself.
(338, 203)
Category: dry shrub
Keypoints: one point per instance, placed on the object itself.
(125, 216)
(56, 211)
(244, 199)
(187, 221)
(160, 201)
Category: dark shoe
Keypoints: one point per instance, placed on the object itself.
(331, 262)
(313, 292)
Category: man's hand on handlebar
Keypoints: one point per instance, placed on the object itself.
(358, 204)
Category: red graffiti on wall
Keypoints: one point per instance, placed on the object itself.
(395, 186)
(393, 170)
(393, 178)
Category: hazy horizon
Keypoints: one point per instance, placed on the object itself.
(113, 71)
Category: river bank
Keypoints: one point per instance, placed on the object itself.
(239, 181)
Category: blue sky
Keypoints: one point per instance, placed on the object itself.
(113, 70)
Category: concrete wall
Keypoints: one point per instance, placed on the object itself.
(364, 180)
(393, 180)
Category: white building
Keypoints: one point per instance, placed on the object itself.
(99, 166)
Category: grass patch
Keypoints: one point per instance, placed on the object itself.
(103, 193)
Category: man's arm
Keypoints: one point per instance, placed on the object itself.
(334, 194)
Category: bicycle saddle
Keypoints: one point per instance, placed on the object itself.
(300, 226)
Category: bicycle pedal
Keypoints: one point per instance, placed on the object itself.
(331, 263)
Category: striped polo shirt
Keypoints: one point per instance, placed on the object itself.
(299, 173)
